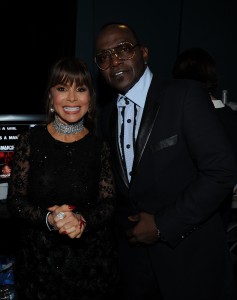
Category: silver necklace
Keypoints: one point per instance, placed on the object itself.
(68, 128)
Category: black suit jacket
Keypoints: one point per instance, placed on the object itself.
(228, 118)
(183, 169)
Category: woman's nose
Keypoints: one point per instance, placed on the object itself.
(72, 96)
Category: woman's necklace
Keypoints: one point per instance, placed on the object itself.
(68, 128)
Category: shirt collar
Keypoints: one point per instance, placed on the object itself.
(138, 92)
(218, 103)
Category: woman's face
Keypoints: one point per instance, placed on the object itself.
(71, 103)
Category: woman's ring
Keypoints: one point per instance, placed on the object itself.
(60, 215)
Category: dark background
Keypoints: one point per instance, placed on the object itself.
(36, 33)
(167, 27)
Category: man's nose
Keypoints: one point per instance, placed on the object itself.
(115, 59)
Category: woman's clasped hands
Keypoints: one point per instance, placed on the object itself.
(65, 221)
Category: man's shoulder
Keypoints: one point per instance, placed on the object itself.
(228, 114)
(173, 87)
(181, 84)
(107, 109)
(104, 118)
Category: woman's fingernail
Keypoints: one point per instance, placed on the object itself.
(82, 223)
(64, 232)
(71, 206)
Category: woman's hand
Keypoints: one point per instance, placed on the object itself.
(63, 219)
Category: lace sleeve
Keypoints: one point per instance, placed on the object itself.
(106, 185)
(103, 212)
(17, 200)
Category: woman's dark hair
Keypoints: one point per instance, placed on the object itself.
(196, 63)
(68, 70)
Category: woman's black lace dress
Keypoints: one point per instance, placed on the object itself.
(48, 172)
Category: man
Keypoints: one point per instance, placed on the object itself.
(6, 171)
(197, 64)
(173, 167)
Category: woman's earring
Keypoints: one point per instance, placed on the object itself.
(52, 109)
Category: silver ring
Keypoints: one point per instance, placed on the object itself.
(60, 215)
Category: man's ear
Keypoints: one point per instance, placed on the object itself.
(145, 54)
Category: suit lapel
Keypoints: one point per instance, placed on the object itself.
(118, 159)
(148, 119)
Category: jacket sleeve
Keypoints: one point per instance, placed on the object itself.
(216, 168)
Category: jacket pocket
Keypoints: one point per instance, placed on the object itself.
(168, 142)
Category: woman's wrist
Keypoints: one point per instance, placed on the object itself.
(50, 227)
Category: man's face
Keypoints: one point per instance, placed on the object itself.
(6, 170)
(121, 74)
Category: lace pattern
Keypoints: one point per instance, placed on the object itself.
(47, 172)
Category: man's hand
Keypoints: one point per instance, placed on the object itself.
(144, 231)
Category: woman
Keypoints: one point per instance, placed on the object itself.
(63, 192)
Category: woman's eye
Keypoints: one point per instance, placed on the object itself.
(82, 89)
(60, 88)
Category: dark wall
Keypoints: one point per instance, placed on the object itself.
(36, 33)
(167, 27)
